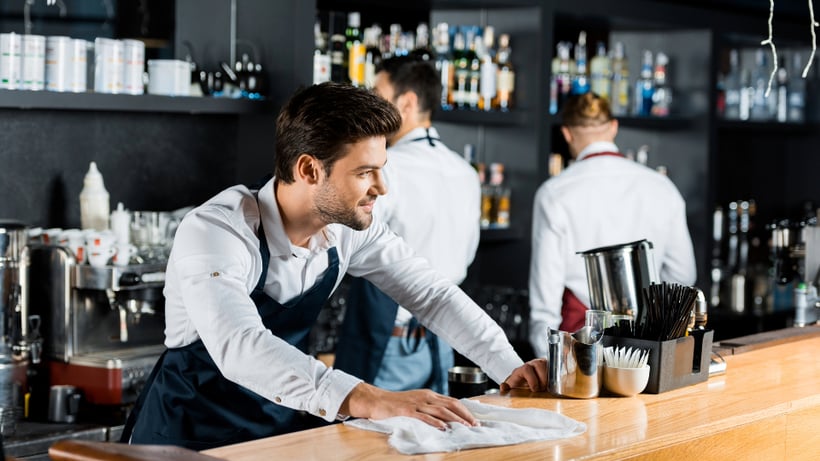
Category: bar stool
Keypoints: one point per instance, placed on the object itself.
(85, 450)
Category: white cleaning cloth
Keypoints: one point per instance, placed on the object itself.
(499, 426)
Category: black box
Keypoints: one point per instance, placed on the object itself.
(674, 363)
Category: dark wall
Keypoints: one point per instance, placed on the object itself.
(148, 161)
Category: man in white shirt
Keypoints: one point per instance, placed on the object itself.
(434, 204)
(250, 270)
(602, 199)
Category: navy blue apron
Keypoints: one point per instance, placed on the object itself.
(367, 327)
(187, 402)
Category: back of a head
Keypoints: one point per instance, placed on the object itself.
(586, 109)
(321, 120)
(410, 73)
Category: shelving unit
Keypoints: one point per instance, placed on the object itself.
(49, 100)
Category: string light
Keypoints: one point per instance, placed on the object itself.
(813, 39)
(770, 41)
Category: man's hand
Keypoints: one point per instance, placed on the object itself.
(532, 374)
(366, 401)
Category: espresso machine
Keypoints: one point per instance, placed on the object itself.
(103, 326)
(17, 346)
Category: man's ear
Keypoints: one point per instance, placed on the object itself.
(308, 169)
(567, 134)
(407, 103)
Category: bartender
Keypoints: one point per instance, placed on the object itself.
(250, 270)
(434, 204)
(601, 199)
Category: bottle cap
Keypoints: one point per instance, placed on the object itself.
(93, 179)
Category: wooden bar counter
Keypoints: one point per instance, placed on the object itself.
(765, 407)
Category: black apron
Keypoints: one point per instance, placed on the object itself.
(187, 402)
(367, 327)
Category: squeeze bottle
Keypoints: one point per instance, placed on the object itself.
(94, 207)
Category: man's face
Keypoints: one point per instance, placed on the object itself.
(347, 196)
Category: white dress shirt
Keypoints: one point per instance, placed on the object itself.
(600, 201)
(215, 264)
(433, 202)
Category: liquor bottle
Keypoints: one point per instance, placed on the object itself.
(761, 109)
(394, 41)
(619, 95)
(473, 89)
(489, 71)
(422, 49)
(644, 88)
(321, 58)
(782, 90)
(461, 70)
(747, 93)
(796, 92)
(561, 82)
(505, 76)
(731, 88)
(580, 81)
(444, 64)
(372, 55)
(600, 72)
(355, 50)
(500, 212)
(662, 95)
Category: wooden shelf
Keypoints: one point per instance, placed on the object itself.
(50, 100)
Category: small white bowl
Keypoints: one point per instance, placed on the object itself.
(626, 381)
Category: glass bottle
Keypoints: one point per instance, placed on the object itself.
(731, 85)
(619, 100)
(561, 83)
(600, 72)
(489, 71)
(372, 55)
(761, 105)
(505, 75)
(782, 90)
(461, 71)
(422, 48)
(473, 89)
(444, 64)
(644, 88)
(580, 81)
(796, 106)
(321, 58)
(355, 50)
(662, 95)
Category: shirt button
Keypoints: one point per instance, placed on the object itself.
(322, 412)
(278, 399)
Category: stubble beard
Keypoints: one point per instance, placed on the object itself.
(331, 210)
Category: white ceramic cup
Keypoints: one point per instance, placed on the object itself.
(52, 236)
(99, 247)
(170, 77)
(74, 240)
(108, 65)
(79, 65)
(123, 252)
(134, 59)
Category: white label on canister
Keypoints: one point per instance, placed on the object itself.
(134, 61)
(34, 62)
(108, 65)
(79, 65)
(10, 51)
(58, 64)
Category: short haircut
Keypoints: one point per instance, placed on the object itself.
(323, 120)
(586, 109)
(409, 73)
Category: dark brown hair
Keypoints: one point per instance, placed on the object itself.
(408, 73)
(322, 120)
(587, 109)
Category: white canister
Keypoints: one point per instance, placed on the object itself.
(58, 64)
(170, 77)
(10, 52)
(134, 58)
(34, 62)
(121, 224)
(108, 65)
(79, 65)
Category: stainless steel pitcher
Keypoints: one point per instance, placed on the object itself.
(617, 275)
(575, 363)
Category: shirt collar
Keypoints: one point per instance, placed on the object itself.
(416, 133)
(598, 146)
(278, 242)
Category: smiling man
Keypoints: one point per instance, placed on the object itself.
(250, 270)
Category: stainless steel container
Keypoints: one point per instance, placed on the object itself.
(13, 240)
(617, 275)
(575, 362)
